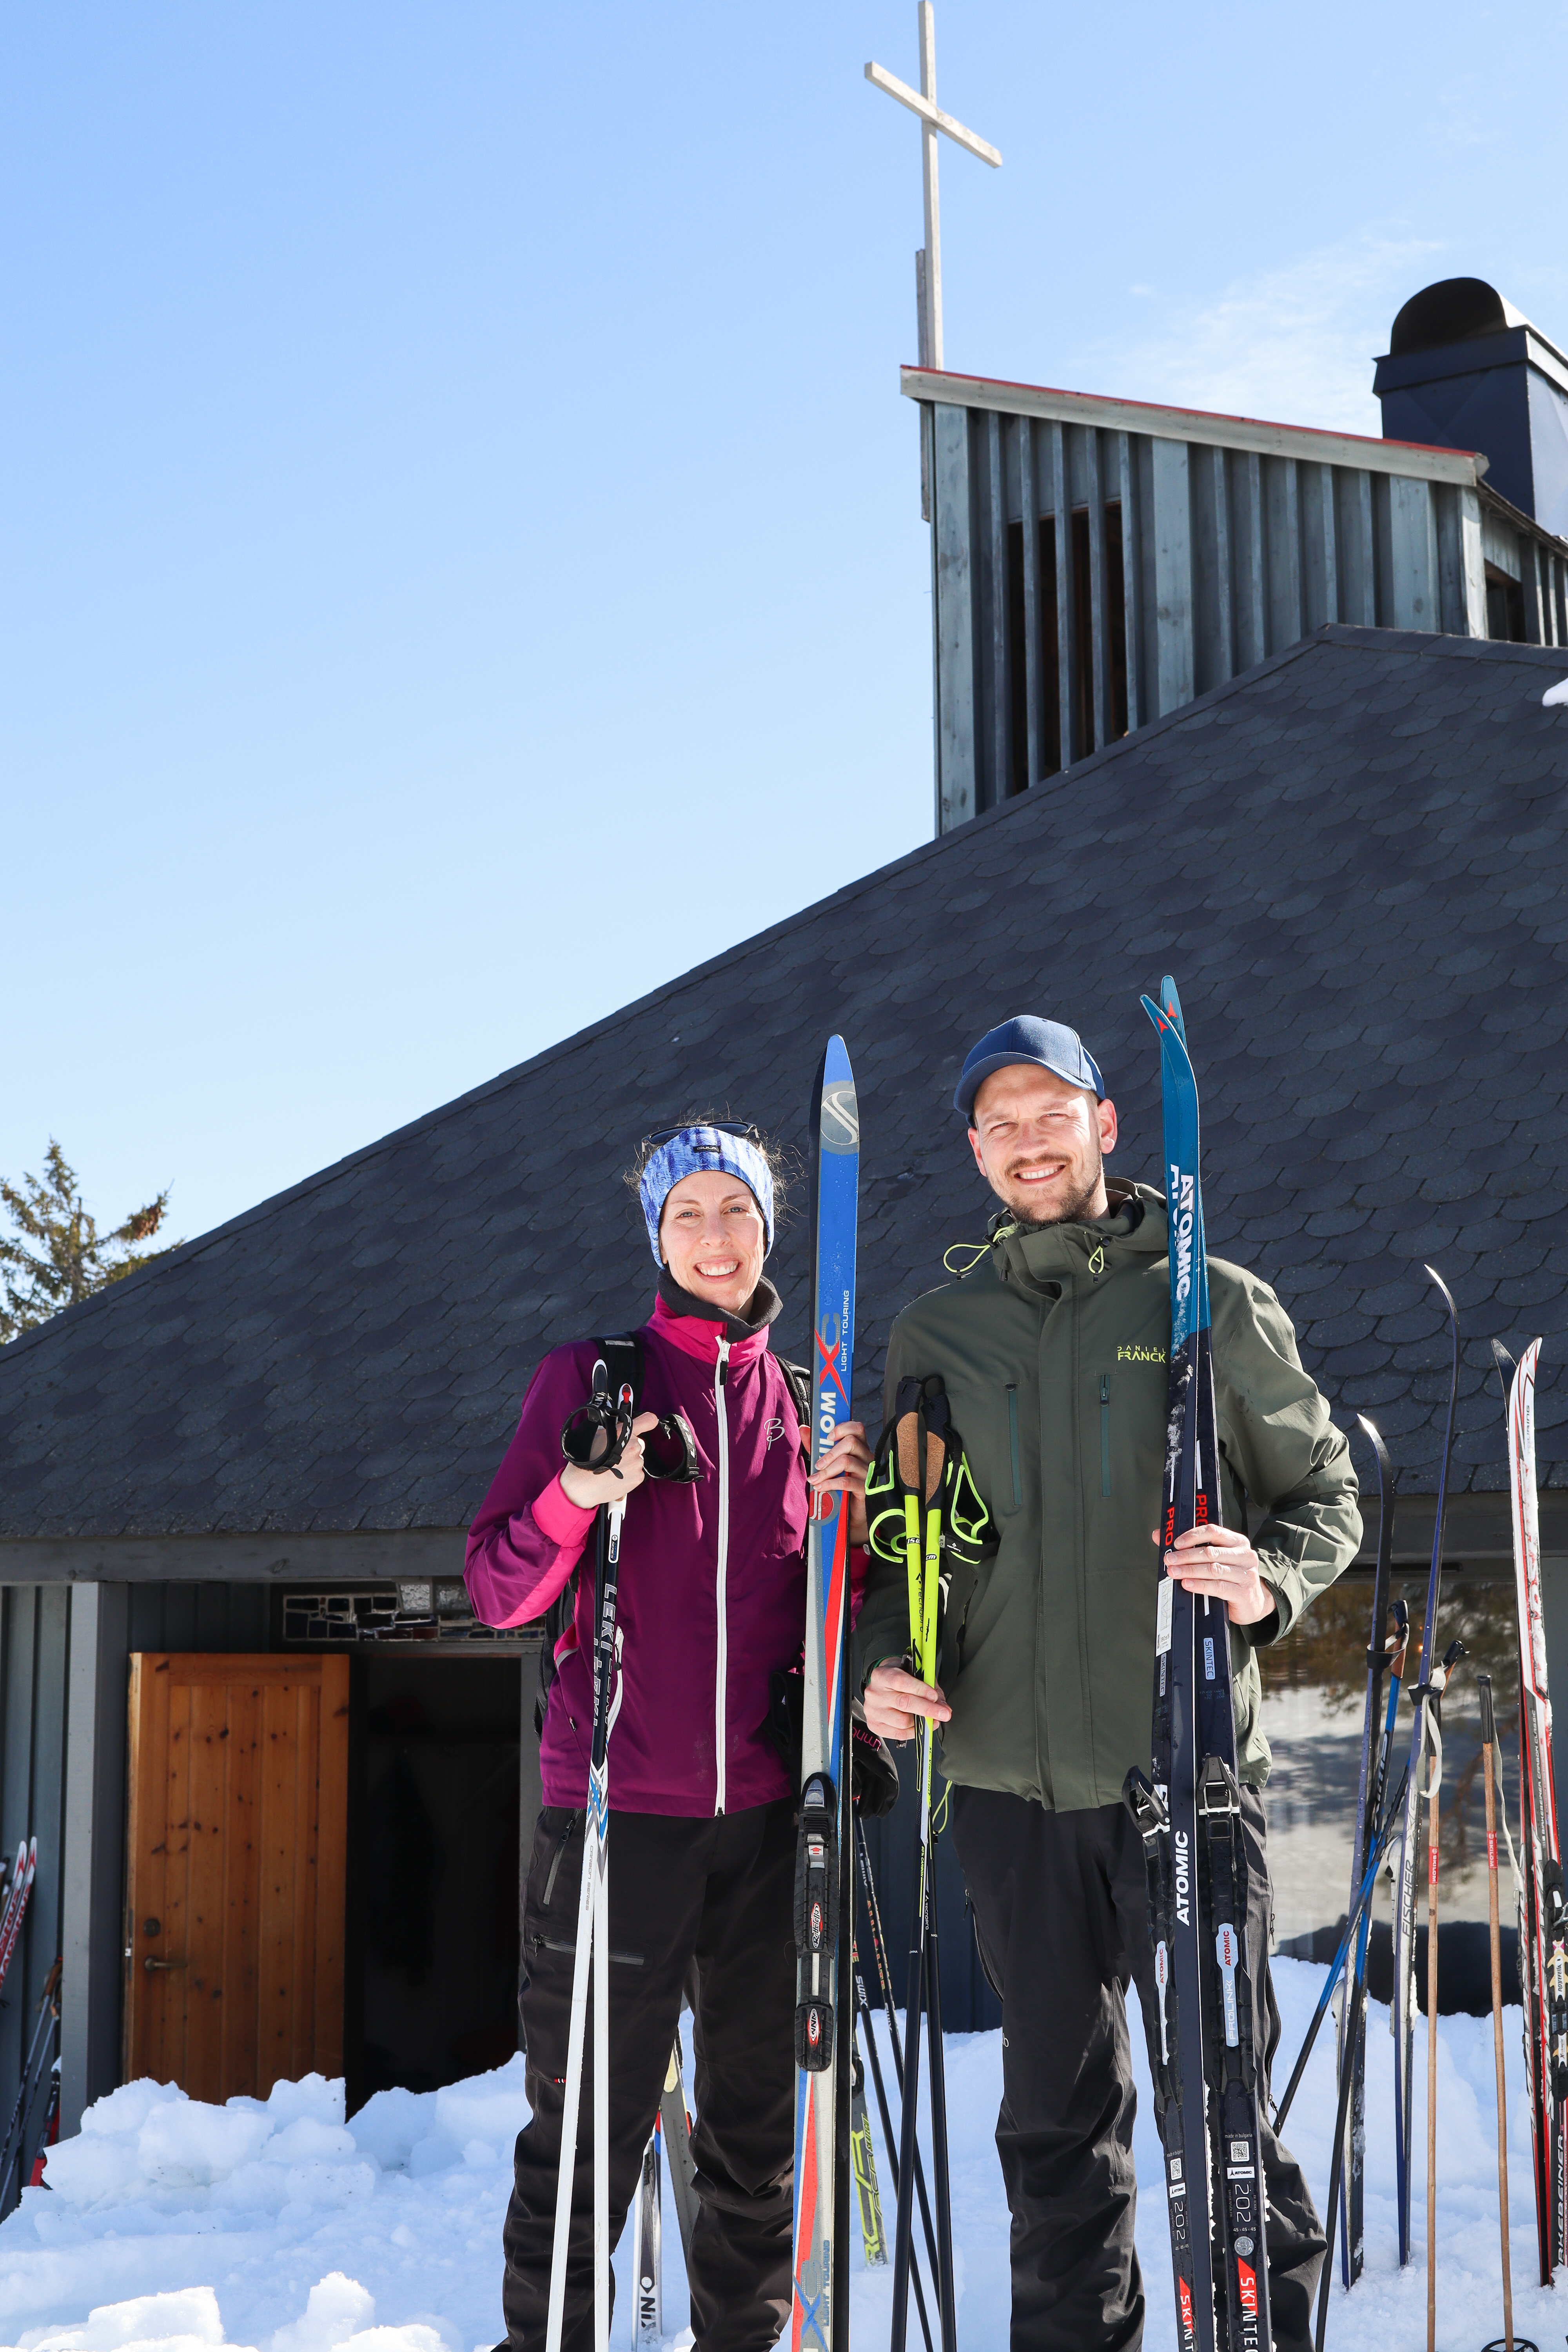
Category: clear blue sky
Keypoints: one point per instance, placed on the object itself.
(459, 548)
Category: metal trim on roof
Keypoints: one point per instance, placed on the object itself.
(1411, 460)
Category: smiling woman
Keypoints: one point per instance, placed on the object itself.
(701, 1839)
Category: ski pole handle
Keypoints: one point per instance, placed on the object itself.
(1489, 1725)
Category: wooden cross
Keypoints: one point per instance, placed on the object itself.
(922, 101)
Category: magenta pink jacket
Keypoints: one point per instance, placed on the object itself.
(713, 1587)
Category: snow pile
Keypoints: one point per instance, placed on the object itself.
(275, 2226)
(147, 2144)
(269, 2225)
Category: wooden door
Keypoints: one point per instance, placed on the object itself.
(234, 1877)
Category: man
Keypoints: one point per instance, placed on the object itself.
(1053, 1351)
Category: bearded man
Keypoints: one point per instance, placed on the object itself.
(1053, 1350)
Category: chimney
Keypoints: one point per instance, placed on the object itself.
(1465, 370)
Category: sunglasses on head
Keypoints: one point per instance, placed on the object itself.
(740, 1127)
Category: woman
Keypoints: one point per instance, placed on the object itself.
(712, 1604)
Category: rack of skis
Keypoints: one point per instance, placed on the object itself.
(35, 2112)
(1390, 1835)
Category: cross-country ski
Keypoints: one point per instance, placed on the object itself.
(819, 2310)
(1416, 1778)
(1542, 1911)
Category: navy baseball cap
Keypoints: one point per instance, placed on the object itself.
(1049, 1045)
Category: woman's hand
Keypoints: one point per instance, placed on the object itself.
(1220, 1563)
(842, 1471)
(894, 1700)
(589, 1488)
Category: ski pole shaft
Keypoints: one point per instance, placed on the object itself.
(904, 2233)
(1488, 1738)
(1326, 1996)
(1433, 1776)
(885, 1983)
(938, 2095)
(891, 2144)
(1347, 2077)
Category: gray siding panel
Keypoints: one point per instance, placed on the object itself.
(955, 687)
(1173, 537)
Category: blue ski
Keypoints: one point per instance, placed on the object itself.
(1198, 1870)
(819, 2313)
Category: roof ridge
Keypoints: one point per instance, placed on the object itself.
(1347, 635)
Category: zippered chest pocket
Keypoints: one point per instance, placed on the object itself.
(1105, 1433)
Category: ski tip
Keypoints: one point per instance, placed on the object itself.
(1172, 1004)
(1374, 1437)
(1172, 1039)
(1432, 1276)
(836, 1061)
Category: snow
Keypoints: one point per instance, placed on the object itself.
(170, 2226)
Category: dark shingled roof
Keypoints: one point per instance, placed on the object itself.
(1354, 859)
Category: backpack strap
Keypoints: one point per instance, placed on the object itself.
(799, 1382)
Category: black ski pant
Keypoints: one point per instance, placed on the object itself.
(704, 1907)
(1060, 1913)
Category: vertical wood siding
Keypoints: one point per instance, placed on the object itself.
(1089, 580)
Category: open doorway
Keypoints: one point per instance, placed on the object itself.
(434, 1869)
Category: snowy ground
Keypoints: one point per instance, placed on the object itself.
(187, 2227)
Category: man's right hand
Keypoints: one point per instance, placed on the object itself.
(894, 1700)
(589, 1488)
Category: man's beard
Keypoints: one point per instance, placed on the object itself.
(1075, 1211)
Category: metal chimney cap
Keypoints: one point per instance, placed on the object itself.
(1454, 310)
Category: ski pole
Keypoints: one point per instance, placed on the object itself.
(1402, 2009)
(594, 1438)
(924, 1564)
(904, 2247)
(864, 2019)
(1488, 1738)
(1431, 1699)
(1434, 1777)
(1347, 2209)
(1384, 1655)
(1347, 2079)
(1384, 1836)
(937, 2095)
(885, 1987)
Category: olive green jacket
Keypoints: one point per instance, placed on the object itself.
(1054, 1353)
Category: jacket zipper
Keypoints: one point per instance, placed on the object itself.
(1012, 1437)
(722, 1668)
(1105, 1433)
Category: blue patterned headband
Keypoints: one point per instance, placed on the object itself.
(692, 1151)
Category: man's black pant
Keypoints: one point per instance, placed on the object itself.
(706, 1908)
(1061, 1910)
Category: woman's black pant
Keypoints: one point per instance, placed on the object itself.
(703, 1907)
(1061, 1918)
